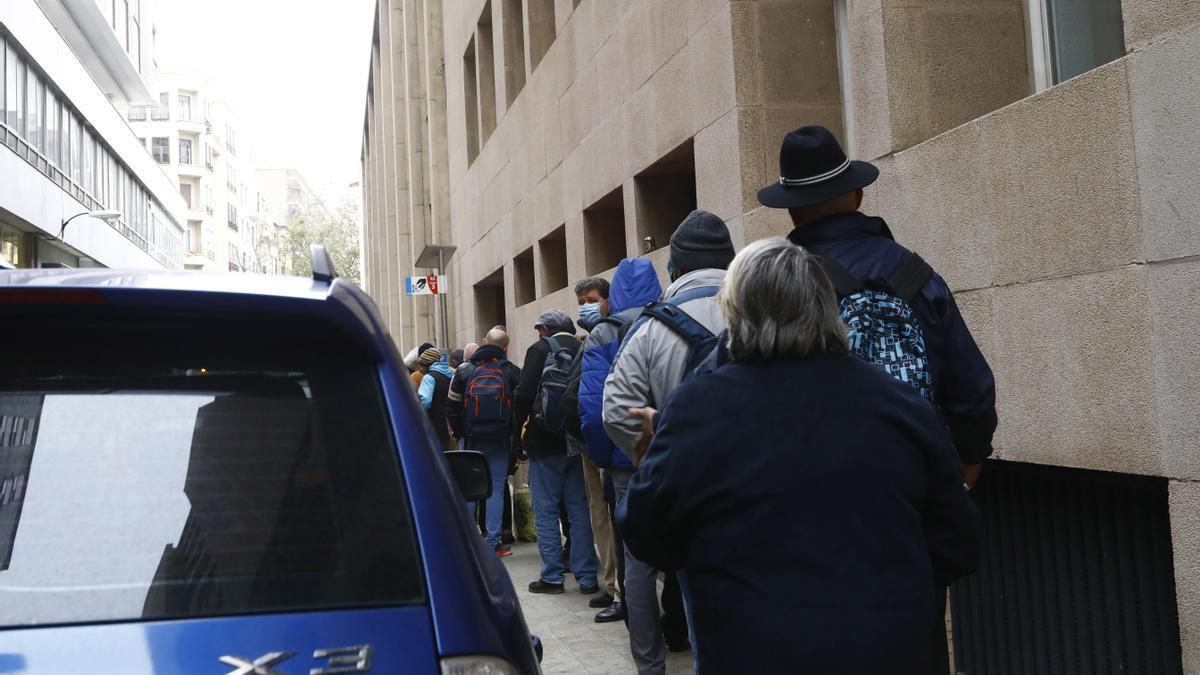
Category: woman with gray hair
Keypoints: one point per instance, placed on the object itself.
(811, 502)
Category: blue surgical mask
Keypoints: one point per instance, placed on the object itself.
(589, 315)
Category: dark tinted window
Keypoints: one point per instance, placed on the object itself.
(172, 469)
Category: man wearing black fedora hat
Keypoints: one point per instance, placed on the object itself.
(822, 189)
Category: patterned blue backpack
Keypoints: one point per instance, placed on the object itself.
(884, 331)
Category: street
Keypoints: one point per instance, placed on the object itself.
(573, 642)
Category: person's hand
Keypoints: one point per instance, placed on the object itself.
(643, 442)
(971, 474)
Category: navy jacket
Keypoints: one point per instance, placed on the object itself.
(963, 384)
(456, 400)
(813, 506)
(634, 286)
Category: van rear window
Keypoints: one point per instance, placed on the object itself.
(153, 470)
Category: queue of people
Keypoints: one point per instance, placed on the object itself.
(784, 438)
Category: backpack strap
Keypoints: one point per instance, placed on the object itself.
(690, 295)
(844, 283)
(679, 321)
(912, 276)
(555, 345)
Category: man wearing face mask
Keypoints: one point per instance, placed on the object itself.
(592, 294)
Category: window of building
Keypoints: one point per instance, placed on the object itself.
(1070, 37)
(490, 302)
(16, 95)
(53, 115)
(35, 101)
(185, 191)
(232, 217)
(514, 50)
(121, 22)
(665, 194)
(487, 74)
(553, 251)
(185, 107)
(161, 149)
(76, 149)
(185, 151)
(604, 233)
(163, 112)
(523, 277)
(471, 101)
(542, 29)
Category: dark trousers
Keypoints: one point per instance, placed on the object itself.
(939, 656)
(674, 621)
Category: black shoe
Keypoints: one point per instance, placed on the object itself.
(540, 586)
(614, 612)
(602, 600)
(684, 646)
(588, 590)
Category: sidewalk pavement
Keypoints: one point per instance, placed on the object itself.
(573, 642)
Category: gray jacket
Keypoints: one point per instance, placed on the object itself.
(652, 360)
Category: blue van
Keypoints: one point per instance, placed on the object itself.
(231, 474)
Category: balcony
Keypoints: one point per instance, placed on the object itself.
(137, 115)
(197, 212)
(193, 169)
(190, 126)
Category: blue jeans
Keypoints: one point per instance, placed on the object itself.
(497, 459)
(556, 480)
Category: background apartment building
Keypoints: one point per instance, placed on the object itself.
(67, 68)
(1041, 154)
(194, 134)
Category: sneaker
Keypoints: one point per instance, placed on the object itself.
(588, 590)
(602, 600)
(546, 587)
(614, 612)
(503, 551)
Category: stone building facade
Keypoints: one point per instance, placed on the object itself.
(1041, 154)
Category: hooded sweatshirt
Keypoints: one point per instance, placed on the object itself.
(634, 286)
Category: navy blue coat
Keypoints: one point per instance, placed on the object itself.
(634, 286)
(964, 388)
(813, 506)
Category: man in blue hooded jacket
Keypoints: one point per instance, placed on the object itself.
(634, 286)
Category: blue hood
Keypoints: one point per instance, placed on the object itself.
(634, 285)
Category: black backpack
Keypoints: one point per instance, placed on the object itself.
(556, 374)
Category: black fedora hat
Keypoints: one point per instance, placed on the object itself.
(813, 168)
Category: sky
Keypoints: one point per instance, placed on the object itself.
(295, 71)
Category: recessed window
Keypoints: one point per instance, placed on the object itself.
(1070, 37)
(486, 61)
(185, 107)
(666, 194)
(523, 277)
(553, 251)
(541, 29)
(604, 233)
(185, 151)
(489, 302)
(471, 102)
(514, 50)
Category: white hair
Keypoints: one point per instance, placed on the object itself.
(778, 302)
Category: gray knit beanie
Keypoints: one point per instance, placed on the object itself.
(701, 242)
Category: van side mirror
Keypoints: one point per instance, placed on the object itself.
(471, 472)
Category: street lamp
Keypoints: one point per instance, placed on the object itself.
(105, 215)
